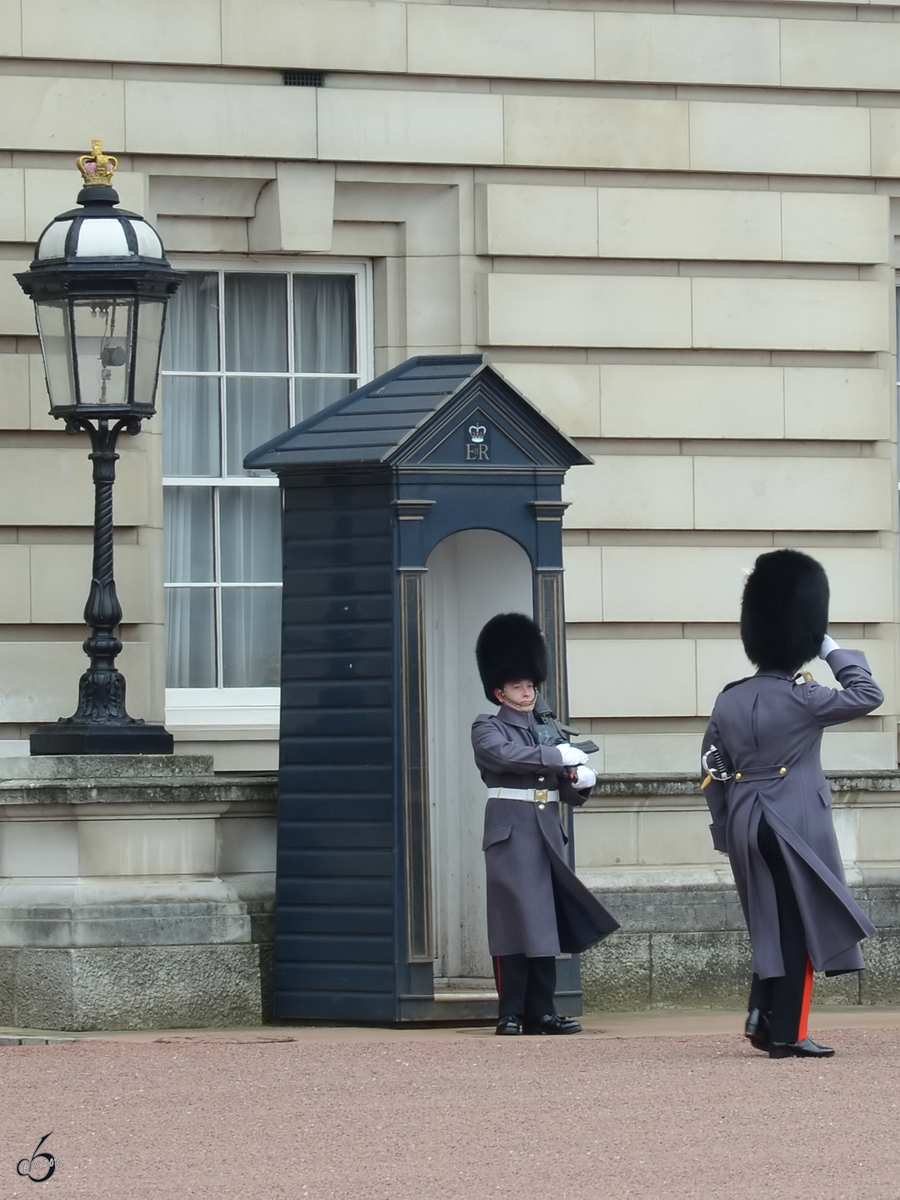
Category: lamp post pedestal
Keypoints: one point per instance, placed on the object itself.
(101, 724)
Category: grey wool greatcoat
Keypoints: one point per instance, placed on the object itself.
(536, 904)
(770, 727)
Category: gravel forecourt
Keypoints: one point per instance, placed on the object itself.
(662, 1105)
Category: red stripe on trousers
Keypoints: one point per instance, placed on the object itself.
(807, 997)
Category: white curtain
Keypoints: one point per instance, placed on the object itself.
(324, 338)
(190, 405)
(255, 340)
(190, 619)
(250, 520)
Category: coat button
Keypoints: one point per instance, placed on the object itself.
(783, 771)
(542, 806)
(737, 775)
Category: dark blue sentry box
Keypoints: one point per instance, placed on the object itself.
(439, 452)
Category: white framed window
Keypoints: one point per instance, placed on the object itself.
(252, 346)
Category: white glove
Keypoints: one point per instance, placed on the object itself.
(570, 756)
(828, 644)
(584, 778)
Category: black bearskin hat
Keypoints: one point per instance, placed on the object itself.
(510, 647)
(784, 611)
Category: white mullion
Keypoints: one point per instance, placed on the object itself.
(223, 433)
(292, 381)
(246, 583)
(223, 470)
(212, 481)
(263, 374)
(217, 590)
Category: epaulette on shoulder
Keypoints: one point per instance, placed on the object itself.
(737, 682)
(801, 678)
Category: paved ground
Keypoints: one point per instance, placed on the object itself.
(661, 1105)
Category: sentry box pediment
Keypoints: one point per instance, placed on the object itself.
(414, 509)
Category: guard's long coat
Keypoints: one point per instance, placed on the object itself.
(765, 724)
(536, 904)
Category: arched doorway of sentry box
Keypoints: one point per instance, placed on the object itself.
(470, 576)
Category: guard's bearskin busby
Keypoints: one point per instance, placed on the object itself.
(510, 647)
(784, 611)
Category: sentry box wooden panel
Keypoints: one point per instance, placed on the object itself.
(414, 509)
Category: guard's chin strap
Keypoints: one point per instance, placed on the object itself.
(516, 705)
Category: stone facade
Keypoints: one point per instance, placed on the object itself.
(674, 231)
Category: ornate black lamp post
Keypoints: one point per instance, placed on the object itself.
(100, 283)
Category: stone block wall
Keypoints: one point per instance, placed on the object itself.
(643, 846)
(135, 893)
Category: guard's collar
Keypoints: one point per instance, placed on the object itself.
(512, 716)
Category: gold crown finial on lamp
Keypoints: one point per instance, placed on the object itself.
(97, 167)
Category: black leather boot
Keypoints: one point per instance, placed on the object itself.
(757, 1030)
(509, 1026)
(552, 1023)
(806, 1048)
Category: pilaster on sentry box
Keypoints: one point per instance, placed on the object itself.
(414, 510)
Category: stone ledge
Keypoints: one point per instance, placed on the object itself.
(107, 766)
(667, 907)
(649, 786)
(206, 789)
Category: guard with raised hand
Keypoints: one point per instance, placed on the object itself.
(770, 802)
(536, 905)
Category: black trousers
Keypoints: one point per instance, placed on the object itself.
(786, 997)
(526, 986)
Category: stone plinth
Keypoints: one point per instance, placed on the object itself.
(135, 893)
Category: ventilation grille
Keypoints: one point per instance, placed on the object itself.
(303, 78)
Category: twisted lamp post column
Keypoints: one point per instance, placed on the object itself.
(101, 689)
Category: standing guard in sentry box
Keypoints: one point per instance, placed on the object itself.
(537, 907)
(770, 802)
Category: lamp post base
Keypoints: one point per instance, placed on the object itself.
(69, 737)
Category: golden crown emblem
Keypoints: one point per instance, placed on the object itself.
(97, 167)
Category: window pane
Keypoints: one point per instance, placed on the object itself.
(255, 410)
(188, 534)
(255, 323)
(251, 637)
(190, 637)
(324, 323)
(192, 325)
(250, 534)
(314, 394)
(191, 436)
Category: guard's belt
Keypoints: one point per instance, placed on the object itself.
(752, 774)
(532, 795)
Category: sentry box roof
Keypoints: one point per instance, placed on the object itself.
(431, 411)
